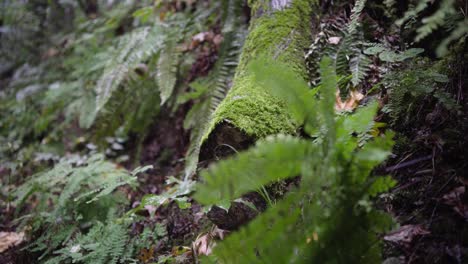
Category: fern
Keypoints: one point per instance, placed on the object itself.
(446, 15)
(359, 66)
(325, 219)
(413, 12)
(103, 243)
(167, 68)
(347, 55)
(277, 158)
(434, 21)
(355, 14)
(408, 86)
(214, 88)
(133, 48)
(459, 33)
(70, 187)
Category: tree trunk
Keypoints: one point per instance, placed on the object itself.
(279, 29)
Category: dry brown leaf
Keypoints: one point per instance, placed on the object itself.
(10, 239)
(146, 255)
(351, 102)
(219, 233)
(203, 245)
(406, 234)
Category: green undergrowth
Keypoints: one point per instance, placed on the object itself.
(330, 217)
(98, 82)
(421, 80)
(73, 201)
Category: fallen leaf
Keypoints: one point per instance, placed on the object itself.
(146, 255)
(203, 245)
(351, 102)
(10, 239)
(406, 234)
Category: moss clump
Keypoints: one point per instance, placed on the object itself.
(281, 35)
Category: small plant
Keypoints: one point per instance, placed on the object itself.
(410, 86)
(329, 218)
(74, 196)
(455, 24)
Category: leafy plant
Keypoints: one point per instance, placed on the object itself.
(346, 49)
(329, 218)
(409, 86)
(445, 15)
(72, 197)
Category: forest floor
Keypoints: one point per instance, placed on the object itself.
(430, 202)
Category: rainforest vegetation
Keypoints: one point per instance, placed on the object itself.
(233, 131)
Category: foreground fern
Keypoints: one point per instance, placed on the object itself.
(329, 218)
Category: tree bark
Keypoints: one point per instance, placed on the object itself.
(280, 29)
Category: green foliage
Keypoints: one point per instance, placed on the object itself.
(408, 87)
(347, 53)
(107, 242)
(387, 55)
(103, 243)
(445, 15)
(132, 49)
(177, 192)
(74, 195)
(329, 217)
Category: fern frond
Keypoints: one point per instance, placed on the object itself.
(460, 31)
(216, 85)
(436, 20)
(132, 49)
(318, 221)
(412, 13)
(355, 15)
(347, 55)
(167, 66)
(359, 66)
(390, 6)
(65, 186)
(229, 179)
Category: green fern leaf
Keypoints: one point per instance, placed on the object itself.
(359, 66)
(167, 66)
(434, 21)
(277, 158)
(132, 49)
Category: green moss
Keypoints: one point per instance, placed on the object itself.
(282, 35)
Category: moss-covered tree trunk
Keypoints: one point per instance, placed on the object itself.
(280, 29)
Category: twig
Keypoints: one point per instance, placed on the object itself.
(407, 163)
